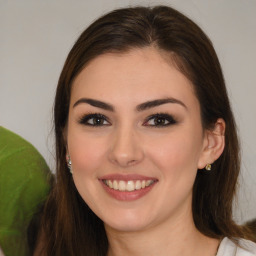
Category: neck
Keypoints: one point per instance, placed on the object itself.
(181, 238)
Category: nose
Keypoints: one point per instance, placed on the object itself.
(126, 148)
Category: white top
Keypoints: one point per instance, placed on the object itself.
(229, 248)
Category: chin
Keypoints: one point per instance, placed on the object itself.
(127, 222)
(125, 226)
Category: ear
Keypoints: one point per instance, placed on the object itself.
(213, 145)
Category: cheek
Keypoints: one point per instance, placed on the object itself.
(176, 154)
(86, 153)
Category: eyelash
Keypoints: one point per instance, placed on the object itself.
(95, 116)
(160, 116)
(163, 117)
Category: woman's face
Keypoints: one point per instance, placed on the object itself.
(135, 139)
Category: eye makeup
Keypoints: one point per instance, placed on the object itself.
(160, 120)
(94, 119)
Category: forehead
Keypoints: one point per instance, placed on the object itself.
(137, 75)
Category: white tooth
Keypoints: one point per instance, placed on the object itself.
(122, 185)
(148, 182)
(110, 184)
(130, 185)
(138, 184)
(115, 185)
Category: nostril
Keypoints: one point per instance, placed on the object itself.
(125, 162)
(131, 162)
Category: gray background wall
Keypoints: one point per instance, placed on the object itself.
(36, 36)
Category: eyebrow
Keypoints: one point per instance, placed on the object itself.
(140, 107)
(95, 103)
(158, 102)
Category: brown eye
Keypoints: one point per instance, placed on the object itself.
(94, 120)
(97, 121)
(160, 120)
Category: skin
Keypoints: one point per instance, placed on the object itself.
(128, 142)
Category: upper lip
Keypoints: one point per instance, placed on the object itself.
(126, 177)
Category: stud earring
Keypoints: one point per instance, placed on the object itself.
(208, 167)
(69, 163)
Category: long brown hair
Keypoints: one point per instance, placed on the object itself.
(69, 227)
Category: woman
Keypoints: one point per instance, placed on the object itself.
(146, 145)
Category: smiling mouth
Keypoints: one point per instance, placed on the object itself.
(130, 185)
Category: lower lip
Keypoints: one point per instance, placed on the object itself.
(127, 195)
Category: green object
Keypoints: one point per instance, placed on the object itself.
(24, 184)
